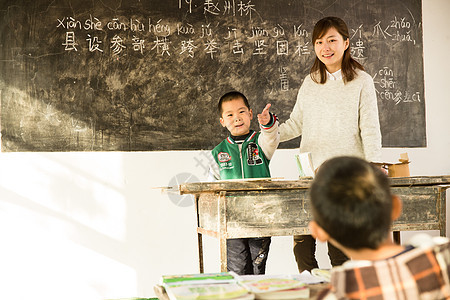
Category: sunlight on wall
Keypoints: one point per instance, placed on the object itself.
(63, 227)
(39, 254)
(83, 191)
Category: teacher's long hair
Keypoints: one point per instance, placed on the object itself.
(349, 65)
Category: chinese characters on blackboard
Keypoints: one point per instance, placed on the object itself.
(285, 40)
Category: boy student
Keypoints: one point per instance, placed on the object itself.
(353, 208)
(245, 154)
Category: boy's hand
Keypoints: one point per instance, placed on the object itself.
(264, 116)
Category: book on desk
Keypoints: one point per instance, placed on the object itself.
(228, 285)
(222, 285)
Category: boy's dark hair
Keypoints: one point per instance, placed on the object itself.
(351, 200)
(349, 65)
(231, 96)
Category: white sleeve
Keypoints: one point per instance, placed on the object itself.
(269, 138)
(214, 172)
(369, 123)
(292, 128)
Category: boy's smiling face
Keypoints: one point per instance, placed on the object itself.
(236, 117)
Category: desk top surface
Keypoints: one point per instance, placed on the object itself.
(314, 290)
(302, 183)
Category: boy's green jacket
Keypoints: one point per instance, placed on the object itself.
(249, 159)
(245, 160)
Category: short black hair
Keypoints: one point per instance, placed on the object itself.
(351, 200)
(231, 96)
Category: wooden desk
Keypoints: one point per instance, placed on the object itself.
(257, 208)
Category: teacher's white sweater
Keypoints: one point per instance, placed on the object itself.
(336, 119)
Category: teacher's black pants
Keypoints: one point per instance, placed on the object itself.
(305, 253)
(248, 256)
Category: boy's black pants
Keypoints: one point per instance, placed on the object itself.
(248, 256)
(305, 253)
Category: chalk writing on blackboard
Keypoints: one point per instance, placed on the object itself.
(384, 78)
(386, 87)
(162, 43)
(284, 79)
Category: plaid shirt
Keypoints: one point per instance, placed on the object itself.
(420, 273)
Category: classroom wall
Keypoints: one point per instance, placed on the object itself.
(96, 225)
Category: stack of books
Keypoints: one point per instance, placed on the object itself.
(228, 285)
(205, 286)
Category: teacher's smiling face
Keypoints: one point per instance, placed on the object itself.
(330, 49)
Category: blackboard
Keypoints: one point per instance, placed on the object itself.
(135, 75)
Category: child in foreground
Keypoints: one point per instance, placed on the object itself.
(245, 154)
(353, 208)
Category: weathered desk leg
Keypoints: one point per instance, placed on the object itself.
(200, 252)
(199, 237)
(442, 211)
(222, 215)
(396, 237)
